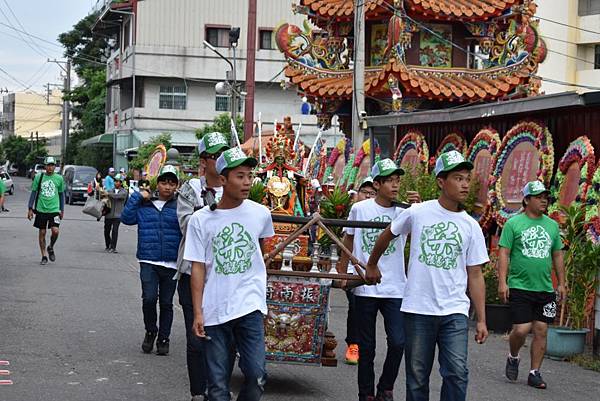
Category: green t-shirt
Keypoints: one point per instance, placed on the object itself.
(2, 187)
(48, 199)
(531, 243)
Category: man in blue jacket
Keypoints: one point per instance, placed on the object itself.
(158, 242)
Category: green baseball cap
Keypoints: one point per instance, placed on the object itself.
(168, 169)
(449, 161)
(212, 143)
(385, 168)
(534, 188)
(232, 158)
(118, 177)
(366, 181)
(49, 160)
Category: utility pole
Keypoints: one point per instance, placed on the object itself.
(234, 35)
(358, 88)
(66, 123)
(250, 71)
(66, 114)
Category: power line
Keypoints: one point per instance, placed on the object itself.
(31, 35)
(26, 42)
(19, 22)
(566, 25)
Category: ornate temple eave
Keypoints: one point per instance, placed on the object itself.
(323, 11)
(456, 84)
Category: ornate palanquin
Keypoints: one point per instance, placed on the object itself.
(420, 53)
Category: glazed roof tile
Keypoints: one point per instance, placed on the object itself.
(442, 9)
(455, 84)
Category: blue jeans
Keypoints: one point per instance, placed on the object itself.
(247, 334)
(367, 308)
(195, 352)
(157, 286)
(451, 334)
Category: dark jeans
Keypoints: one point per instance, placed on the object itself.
(450, 333)
(351, 323)
(248, 335)
(111, 232)
(393, 320)
(157, 286)
(195, 353)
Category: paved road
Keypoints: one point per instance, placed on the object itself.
(72, 331)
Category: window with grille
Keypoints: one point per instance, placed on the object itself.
(223, 103)
(266, 39)
(172, 97)
(218, 37)
(589, 7)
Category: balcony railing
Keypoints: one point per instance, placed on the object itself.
(102, 5)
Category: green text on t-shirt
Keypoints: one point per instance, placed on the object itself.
(50, 190)
(531, 243)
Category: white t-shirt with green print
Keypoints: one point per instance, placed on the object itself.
(391, 263)
(443, 243)
(227, 242)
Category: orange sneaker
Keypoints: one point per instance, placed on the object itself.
(352, 354)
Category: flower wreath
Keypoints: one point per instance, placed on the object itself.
(591, 213)
(344, 146)
(524, 131)
(412, 140)
(486, 139)
(580, 151)
(453, 141)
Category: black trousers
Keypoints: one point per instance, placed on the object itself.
(111, 232)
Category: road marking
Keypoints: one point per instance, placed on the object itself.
(4, 363)
(6, 382)
(4, 372)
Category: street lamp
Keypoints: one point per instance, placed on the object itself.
(234, 35)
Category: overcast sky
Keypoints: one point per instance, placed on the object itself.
(45, 19)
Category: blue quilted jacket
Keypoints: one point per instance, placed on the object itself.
(158, 231)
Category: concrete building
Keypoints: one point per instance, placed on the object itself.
(158, 50)
(571, 29)
(24, 113)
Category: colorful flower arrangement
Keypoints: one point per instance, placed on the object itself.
(452, 141)
(525, 131)
(593, 230)
(412, 140)
(345, 181)
(343, 147)
(486, 139)
(592, 215)
(364, 151)
(593, 196)
(580, 151)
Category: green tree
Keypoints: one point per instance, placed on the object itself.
(146, 150)
(16, 149)
(37, 155)
(87, 52)
(222, 124)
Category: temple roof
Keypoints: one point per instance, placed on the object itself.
(456, 84)
(436, 9)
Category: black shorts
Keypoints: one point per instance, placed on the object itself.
(529, 306)
(46, 220)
